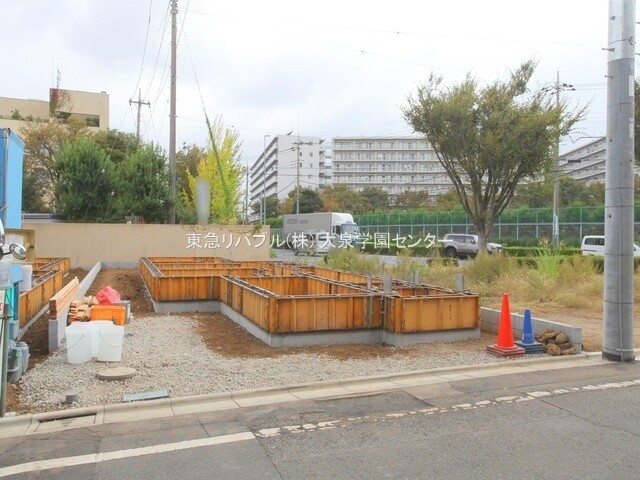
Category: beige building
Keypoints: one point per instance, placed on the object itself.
(91, 108)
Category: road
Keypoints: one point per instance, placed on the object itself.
(563, 424)
(283, 254)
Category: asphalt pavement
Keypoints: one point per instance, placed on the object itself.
(567, 419)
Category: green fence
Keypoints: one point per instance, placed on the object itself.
(528, 224)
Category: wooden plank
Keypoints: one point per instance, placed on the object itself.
(63, 298)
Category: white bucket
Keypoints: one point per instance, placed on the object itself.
(110, 343)
(27, 276)
(78, 343)
(5, 272)
(94, 328)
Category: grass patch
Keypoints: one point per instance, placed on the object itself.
(550, 280)
(352, 260)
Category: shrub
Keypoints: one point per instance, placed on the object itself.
(353, 261)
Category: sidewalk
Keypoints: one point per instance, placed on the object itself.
(15, 426)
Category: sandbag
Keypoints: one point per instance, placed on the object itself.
(108, 296)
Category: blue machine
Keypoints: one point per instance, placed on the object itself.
(13, 360)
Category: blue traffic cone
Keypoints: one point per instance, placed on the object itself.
(528, 341)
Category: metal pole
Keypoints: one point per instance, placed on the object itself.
(172, 111)
(556, 178)
(4, 351)
(618, 204)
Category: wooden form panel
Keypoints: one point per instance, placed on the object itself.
(63, 264)
(253, 302)
(32, 301)
(184, 288)
(186, 260)
(212, 272)
(422, 290)
(302, 285)
(303, 313)
(432, 313)
(321, 313)
(291, 298)
(166, 268)
(342, 276)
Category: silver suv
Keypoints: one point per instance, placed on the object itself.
(461, 244)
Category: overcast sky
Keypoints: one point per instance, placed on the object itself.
(329, 68)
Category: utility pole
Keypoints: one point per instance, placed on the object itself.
(555, 227)
(172, 110)
(139, 102)
(617, 328)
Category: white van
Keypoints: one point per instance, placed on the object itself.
(594, 245)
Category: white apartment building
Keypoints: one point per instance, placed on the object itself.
(395, 164)
(91, 108)
(287, 161)
(585, 163)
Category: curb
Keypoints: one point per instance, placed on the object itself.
(161, 408)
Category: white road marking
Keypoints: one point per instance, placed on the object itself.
(274, 432)
(65, 462)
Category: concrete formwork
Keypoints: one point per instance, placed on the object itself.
(290, 303)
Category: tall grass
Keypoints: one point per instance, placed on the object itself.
(353, 261)
(569, 282)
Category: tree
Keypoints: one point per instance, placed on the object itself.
(118, 145)
(43, 141)
(187, 160)
(221, 168)
(310, 201)
(86, 185)
(488, 139)
(341, 198)
(412, 200)
(448, 200)
(375, 198)
(143, 185)
(33, 194)
(572, 193)
(272, 206)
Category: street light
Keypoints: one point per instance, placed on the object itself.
(264, 180)
(555, 228)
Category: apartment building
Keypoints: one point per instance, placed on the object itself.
(88, 107)
(395, 164)
(586, 163)
(287, 161)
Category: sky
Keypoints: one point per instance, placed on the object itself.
(327, 69)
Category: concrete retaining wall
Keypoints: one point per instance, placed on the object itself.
(490, 318)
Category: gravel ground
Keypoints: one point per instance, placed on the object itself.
(167, 353)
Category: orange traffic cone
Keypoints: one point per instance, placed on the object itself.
(505, 347)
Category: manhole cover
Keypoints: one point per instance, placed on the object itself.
(117, 373)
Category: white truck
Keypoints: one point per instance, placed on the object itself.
(340, 226)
